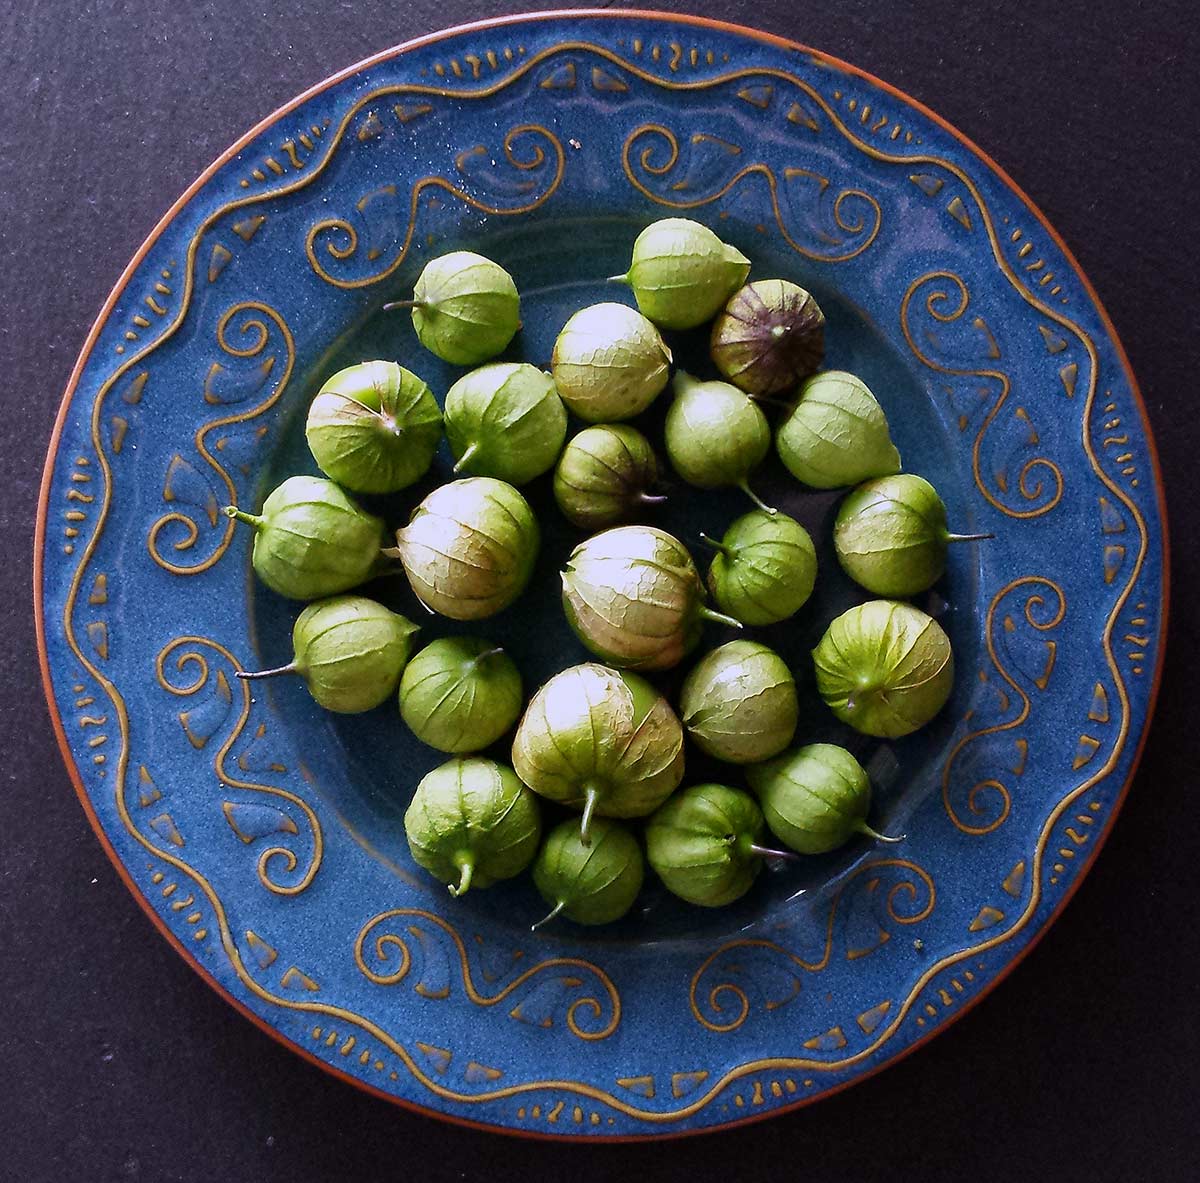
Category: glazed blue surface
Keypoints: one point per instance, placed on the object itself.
(267, 835)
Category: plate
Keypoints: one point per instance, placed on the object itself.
(264, 837)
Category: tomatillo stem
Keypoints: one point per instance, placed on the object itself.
(863, 828)
(589, 807)
(745, 488)
(467, 868)
(767, 852)
(465, 458)
(725, 550)
(549, 915)
(719, 617)
(240, 515)
(290, 668)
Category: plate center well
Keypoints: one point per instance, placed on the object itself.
(364, 768)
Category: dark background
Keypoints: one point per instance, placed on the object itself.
(116, 1062)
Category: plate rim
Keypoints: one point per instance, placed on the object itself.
(168, 217)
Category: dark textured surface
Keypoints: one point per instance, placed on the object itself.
(119, 1063)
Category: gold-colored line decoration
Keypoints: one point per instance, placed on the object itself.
(339, 237)
(723, 1004)
(183, 659)
(390, 960)
(1039, 480)
(92, 680)
(988, 801)
(842, 222)
(243, 332)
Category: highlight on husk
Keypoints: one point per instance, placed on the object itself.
(469, 548)
(635, 599)
(602, 741)
(609, 363)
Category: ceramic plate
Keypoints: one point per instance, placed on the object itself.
(265, 837)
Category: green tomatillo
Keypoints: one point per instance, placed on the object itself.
(770, 335)
(374, 427)
(311, 540)
(891, 537)
(609, 363)
(635, 599)
(765, 568)
(471, 823)
(505, 420)
(884, 667)
(682, 273)
(592, 883)
(814, 798)
(349, 650)
(469, 548)
(465, 308)
(739, 703)
(460, 694)
(836, 434)
(706, 844)
(605, 475)
(601, 741)
(716, 435)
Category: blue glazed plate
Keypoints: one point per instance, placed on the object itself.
(265, 837)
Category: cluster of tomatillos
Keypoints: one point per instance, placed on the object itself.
(599, 738)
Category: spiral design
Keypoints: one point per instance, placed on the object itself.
(720, 992)
(191, 532)
(594, 1012)
(183, 669)
(656, 167)
(869, 214)
(596, 1008)
(242, 318)
(988, 801)
(651, 131)
(535, 134)
(915, 892)
(1035, 604)
(387, 945)
(184, 658)
(244, 332)
(527, 148)
(740, 998)
(336, 237)
(1039, 480)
